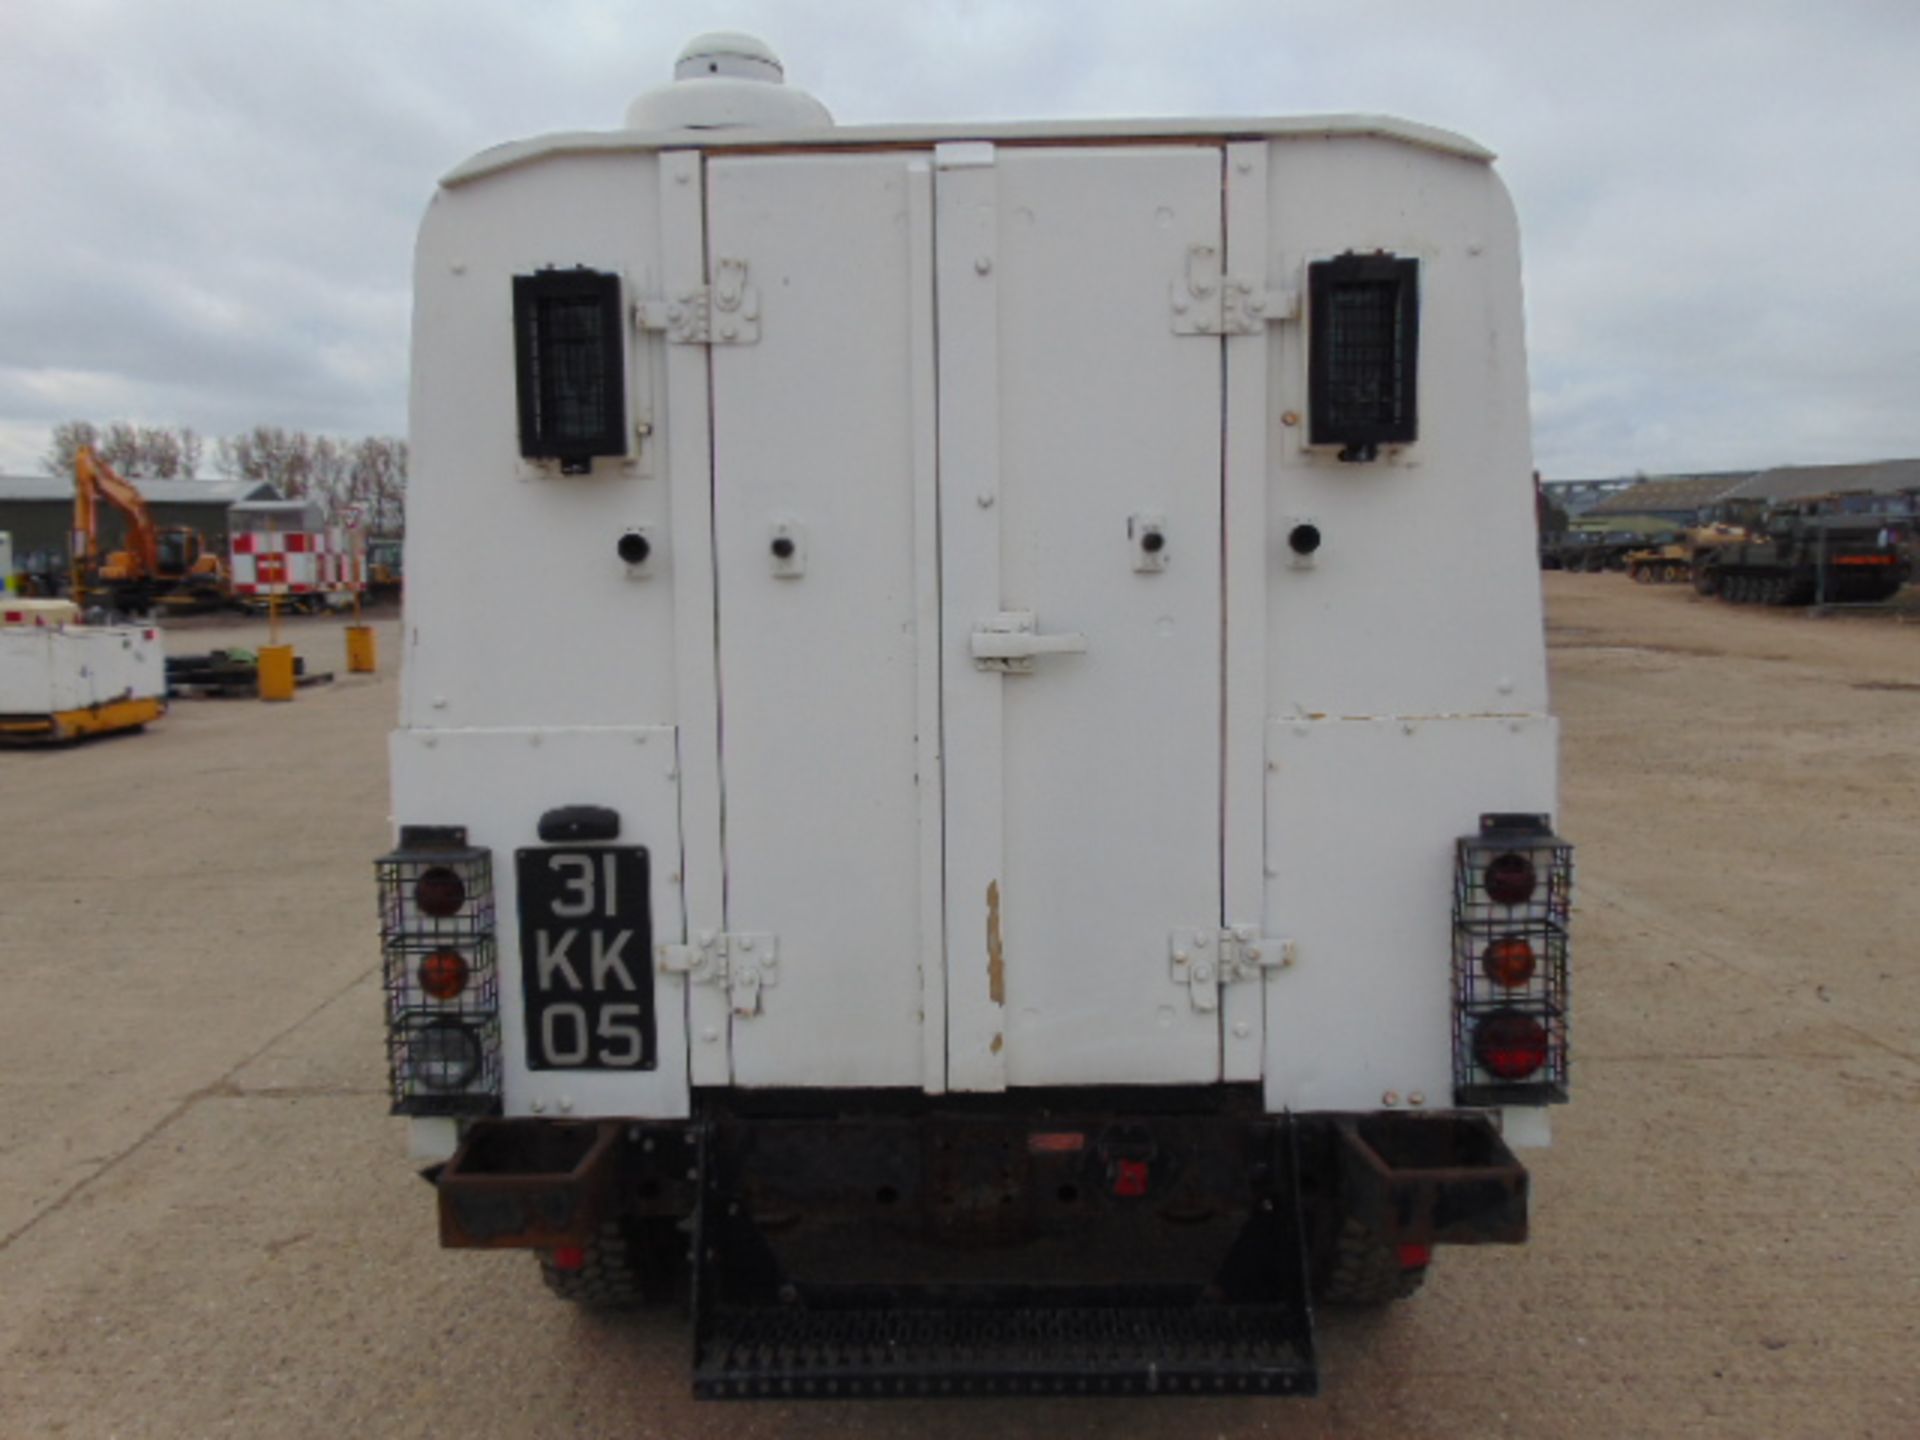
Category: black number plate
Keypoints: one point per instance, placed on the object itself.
(586, 958)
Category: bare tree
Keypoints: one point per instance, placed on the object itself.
(191, 447)
(120, 447)
(368, 474)
(158, 452)
(330, 474)
(379, 483)
(68, 437)
(271, 455)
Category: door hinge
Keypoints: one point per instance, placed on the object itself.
(1208, 302)
(1205, 960)
(741, 964)
(727, 312)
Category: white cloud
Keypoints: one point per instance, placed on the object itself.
(213, 202)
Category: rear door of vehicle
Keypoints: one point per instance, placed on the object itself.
(970, 713)
(829, 771)
(1083, 782)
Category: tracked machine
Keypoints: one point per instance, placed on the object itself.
(1810, 552)
(996, 848)
(171, 566)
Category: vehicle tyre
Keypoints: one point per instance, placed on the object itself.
(1364, 1270)
(629, 1263)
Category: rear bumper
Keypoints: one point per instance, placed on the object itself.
(1015, 1169)
(1078, 1242)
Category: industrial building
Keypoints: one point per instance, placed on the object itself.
(1680, 498)
(37, 510)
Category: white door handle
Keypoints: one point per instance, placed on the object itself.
(1010, 642)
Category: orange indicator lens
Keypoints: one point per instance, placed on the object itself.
(1508, 962)
(443, 974)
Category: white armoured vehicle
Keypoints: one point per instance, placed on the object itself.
(1002, 843)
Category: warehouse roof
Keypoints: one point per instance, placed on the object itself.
(1780, 482)
(1800, 482)
(1672, 492)
(157, 492)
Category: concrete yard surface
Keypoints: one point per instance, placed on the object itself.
(208, 1225)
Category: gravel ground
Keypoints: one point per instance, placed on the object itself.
(207, 1226)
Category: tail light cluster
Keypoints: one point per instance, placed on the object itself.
(1513, 883)
(443, 994)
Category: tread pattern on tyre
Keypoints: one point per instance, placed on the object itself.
(1366, 1271)
(610, 1278)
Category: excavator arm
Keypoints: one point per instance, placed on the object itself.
(95, 480)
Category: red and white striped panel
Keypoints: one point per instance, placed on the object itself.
(298, 562)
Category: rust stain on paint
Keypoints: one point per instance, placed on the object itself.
(996, 958)
(999, 1044)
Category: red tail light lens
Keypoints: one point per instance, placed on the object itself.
(1510, 879)
(1509, 1045)
(1508, 962)
(443, 974)
(439, 892)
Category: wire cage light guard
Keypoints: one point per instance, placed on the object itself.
(1513, 888)
(441, 981)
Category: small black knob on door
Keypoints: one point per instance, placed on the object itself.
(634, 548)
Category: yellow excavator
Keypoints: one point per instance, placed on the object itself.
(172, 566)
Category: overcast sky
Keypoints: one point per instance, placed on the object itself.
(211, 203)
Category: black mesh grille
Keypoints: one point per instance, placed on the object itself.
(1492, 928)
(443, 1054)
(571, 352)
(1365, 351)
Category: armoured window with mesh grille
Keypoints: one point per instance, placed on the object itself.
(570, 364)
(1364, 352)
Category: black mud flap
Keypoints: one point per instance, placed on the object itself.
(767, 1325)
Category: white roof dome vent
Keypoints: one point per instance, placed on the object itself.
(724, 80)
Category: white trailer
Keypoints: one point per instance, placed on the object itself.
(1006, 833)
(62, 680)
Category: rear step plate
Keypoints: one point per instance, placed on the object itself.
(1240, 1323)
(762, 1353)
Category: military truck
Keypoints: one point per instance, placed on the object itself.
(1806, 552)
(996, 848)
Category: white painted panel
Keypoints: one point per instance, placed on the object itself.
(684, 437)
(926, 558)
(1362, 816)
(967, 220)
(1110, 782)
(497, 783)
(504, 556)
(45, 671)
(814, 432)
(1243, 828)
(1424, 598)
